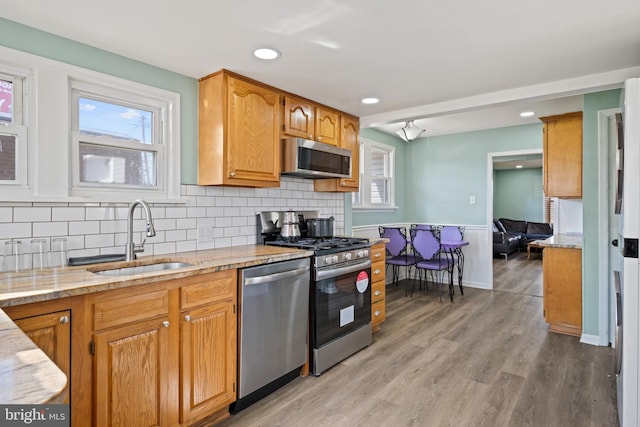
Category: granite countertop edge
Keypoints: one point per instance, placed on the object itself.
(27, 375)
(565, 241)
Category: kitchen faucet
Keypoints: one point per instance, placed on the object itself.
(131, 248)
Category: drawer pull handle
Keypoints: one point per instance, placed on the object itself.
(377, 255)
(165, 323)
(64, 319)
(187, 318)
(377, 271)
(377, 313)
(376, 293)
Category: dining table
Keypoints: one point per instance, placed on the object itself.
(453, 249)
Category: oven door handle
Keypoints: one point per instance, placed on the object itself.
(335, 272)
(275, 276)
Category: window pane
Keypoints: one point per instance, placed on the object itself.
(6, 101)
(379, 191)
(115, 120)
(7, 157)
(378, 163)
(111, 165)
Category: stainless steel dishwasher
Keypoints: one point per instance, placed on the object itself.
(272, 327)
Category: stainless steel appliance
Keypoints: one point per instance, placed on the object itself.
(272, 327)
(340, 292)
(310, 159)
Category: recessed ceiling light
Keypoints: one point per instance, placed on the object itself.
(527, 114)
(266, 54)
(370, 100)
(518, 166)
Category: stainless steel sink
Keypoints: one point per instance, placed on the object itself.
(141, 269)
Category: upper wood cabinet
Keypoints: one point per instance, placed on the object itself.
(349, 131)
(298, 118)
(562, 151)
(327, 126)
(238, 132)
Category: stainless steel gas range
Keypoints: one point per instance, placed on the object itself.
(340, 292)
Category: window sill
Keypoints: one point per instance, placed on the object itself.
(374, 209)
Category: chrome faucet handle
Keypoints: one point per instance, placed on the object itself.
(137, 248)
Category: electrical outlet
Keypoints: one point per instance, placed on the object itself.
(472, 200)
(205, 233)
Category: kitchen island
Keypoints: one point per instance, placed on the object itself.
(79, 291)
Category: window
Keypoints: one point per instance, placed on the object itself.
(117, 140)
(13, 133)
(376, 177)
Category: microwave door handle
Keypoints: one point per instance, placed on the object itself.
(275, 276)
(334, 272)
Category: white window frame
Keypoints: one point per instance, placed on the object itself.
(106, 94)
(366, 148)
(51, 156)
(18, 128)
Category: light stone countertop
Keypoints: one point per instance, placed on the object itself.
(561, 241)
(27, 375)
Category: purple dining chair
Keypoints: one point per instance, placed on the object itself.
(451, 233)
(396, 248)
(427, 249)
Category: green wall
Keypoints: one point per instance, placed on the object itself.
(31, 40)
(517, 194)
(592, 250)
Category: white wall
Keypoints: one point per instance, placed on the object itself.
(95, 229)
(569, 216)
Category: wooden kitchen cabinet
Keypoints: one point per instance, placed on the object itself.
(349, 139)
(327, 126)
(208, 343)
(238, 132)
(51, 332)
(562, 153)
(165, 353)
(562, 289)
(378, 286)
(298, 118)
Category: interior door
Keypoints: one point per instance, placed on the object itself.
(615, 225)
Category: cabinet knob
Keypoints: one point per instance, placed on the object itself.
(232, 174)
(342, 183)
(311, 136)
(376, 293)
(165, 323)
(187, 318)
(377, 313)
(377, 255)
(64, 319)
(377, 271)
(319, 138)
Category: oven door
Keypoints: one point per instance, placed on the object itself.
(341, 301)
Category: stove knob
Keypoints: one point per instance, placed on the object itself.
(347, 256)
(360, 254)
(327, 260)
(334, 259)
(366, 253)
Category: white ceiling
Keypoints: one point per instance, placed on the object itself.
(442, 61)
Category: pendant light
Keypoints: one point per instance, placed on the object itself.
(410, 131)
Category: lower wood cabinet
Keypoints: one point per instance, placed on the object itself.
(378, 286)
(50, 331)
(562, 289)
(165, 354)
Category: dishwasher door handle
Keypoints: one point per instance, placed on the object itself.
(275, 276)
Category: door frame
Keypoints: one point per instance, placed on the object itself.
(605, 333)
(490, 158)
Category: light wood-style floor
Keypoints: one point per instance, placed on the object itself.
(484, 360)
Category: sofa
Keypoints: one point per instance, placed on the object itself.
(512, 235)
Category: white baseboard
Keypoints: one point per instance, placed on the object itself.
(590, 339)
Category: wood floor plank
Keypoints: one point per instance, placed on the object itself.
(485, 359)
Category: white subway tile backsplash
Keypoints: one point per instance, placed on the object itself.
(95, 229)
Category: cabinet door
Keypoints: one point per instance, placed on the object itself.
(131, 375)
(562, 278)
(253, 134)
(298, 118)
(349, 130)
(51, 332)
(562, 147)
(327, 126)
(208, 362)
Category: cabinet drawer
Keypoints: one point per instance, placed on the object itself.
(208, 288)
(377, 312)
(377, 253)
(377, 271)
(119, 311)
(378, 291)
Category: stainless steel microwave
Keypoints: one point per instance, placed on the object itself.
(311, 159)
